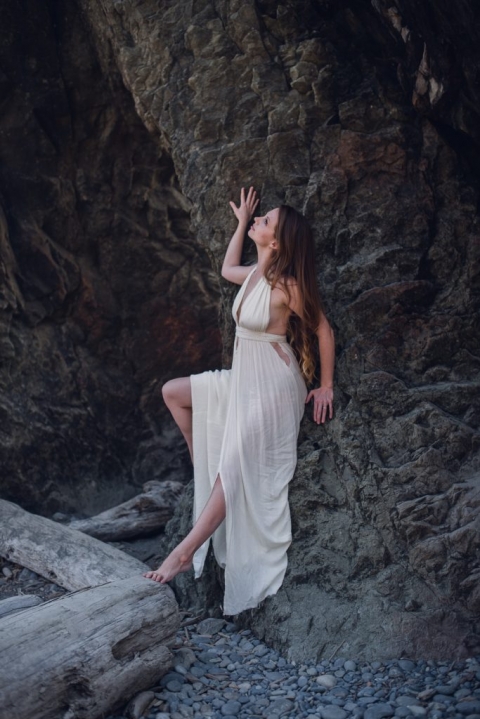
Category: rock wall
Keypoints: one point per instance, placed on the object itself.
(100, 276)
(363, 116)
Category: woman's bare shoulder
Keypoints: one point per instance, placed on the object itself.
(287, 283)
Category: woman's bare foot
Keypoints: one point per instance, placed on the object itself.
(176, 562)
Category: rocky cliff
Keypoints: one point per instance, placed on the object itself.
(365, 117)
(103, 290)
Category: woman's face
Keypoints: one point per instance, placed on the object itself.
(262, 232)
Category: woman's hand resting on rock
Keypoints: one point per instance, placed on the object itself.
(322, 402)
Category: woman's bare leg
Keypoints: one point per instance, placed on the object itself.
(177, 394)
(180, 558)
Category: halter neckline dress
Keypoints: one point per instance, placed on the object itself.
(245, 429)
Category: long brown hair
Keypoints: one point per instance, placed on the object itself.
(295, 258)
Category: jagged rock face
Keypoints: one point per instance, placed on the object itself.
(101, 279)
(322, 106)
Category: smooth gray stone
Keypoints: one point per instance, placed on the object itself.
(467, 708)
(403, 712)
(260, 650)
(235, 657)
(378, 711)
(231, 707)
(364, 701)
(462, 693)
(259, 706)
(27, 574)
(180, 669)
(443, 698)
(332, 712)
(174, 686)
(280, 706)
(246, 645)
(184, 656)
(446, 688)
(417, 711)
(270, 664)
(407, 665)
(273, 676)
(302, 681)
(350, 666)
(327, 680)
(404, 700)
(171, 676)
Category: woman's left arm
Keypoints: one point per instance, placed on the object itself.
(323, 396)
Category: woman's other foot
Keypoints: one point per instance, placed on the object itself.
(176, 562)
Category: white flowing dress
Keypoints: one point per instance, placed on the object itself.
(245, 429)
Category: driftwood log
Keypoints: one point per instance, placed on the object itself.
(10, 605)
(86, 653)
(63, 555)
(143, 514)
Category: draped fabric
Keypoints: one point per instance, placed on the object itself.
(245, 428)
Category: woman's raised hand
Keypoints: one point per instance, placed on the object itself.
(247, 206)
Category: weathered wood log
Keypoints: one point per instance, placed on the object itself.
(63, 555)
(139, 516)
(10, 605)
(85, 654)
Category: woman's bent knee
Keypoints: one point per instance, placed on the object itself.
(178, 391)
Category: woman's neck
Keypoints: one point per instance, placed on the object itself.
(264, 256)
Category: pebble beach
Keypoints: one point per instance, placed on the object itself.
(223, 672)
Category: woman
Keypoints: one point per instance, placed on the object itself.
(241, 425)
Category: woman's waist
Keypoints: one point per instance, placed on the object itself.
(247, 334)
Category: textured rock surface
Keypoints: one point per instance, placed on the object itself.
(100, 277)
(340, 111)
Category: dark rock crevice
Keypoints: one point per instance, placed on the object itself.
(101, 276)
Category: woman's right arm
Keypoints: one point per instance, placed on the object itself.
(232, 270)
